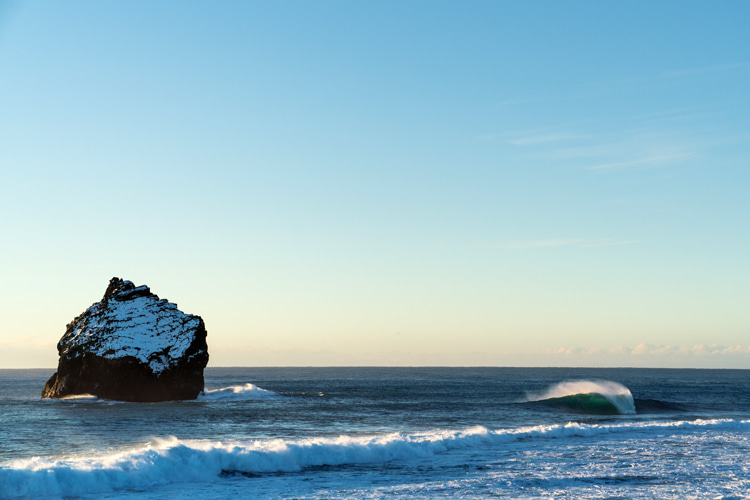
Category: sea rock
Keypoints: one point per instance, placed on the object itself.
(131, 346)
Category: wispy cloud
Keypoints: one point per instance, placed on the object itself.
(645, 350)
(705, 69)
(589, 151)
(655, 140)
(515, 102)
(673, 115)
(649, 160)
(566, 242)
(543, 138)
(534, 136)
(635, 149)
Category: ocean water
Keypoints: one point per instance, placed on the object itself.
(388, 433)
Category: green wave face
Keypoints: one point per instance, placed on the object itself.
(591, 404)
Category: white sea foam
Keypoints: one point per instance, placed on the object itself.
(245, 392)
(237, 393)
(178, 461)
(80, 397)
(619, 395)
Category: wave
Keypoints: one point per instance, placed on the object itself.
(656, 406)
(237, 393)
(597, 397)
(173, 460)
(79, 397)
(232, 393)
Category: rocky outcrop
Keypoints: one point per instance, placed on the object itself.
(131, 346)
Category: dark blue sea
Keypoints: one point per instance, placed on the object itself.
(377, 433)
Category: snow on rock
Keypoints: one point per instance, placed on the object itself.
(131, 346)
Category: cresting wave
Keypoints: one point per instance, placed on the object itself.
(80, 397)
(237, 393)
(599, 397)
(177, 461)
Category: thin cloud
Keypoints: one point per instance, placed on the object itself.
(544, 138)
(589, 151)
(529, 139)
(647, 350)
(672, 115)
(705, 69)
(566, 242)
(515, 102)
(630, 148)
(657, 159)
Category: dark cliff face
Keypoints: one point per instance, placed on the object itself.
(131, 346)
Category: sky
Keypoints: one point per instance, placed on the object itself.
(345, 183)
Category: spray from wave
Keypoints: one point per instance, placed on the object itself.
(237, 393)
(173, 460)
(599, 397)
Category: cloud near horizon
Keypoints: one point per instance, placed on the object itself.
(566, 242)
(645, 350)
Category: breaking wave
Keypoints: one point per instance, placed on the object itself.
(237, 393)
(596, 397)
(173, 460)
(79, 397)
(232, 393)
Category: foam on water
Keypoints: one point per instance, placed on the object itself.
(79, 397)
(178, 461)
(617, 394)
(237, 393)
(244, 392)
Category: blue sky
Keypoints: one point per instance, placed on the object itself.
(384, 183)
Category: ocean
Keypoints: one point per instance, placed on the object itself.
(378, 433)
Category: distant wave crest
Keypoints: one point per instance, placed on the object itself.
(79, 397)
(237, 393)
(598, 397)
(177, 461)
(244, 392)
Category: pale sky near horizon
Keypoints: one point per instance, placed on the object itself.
(383, 183)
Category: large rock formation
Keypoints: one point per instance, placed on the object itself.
(131, 346)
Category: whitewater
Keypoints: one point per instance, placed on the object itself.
(382, 433)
